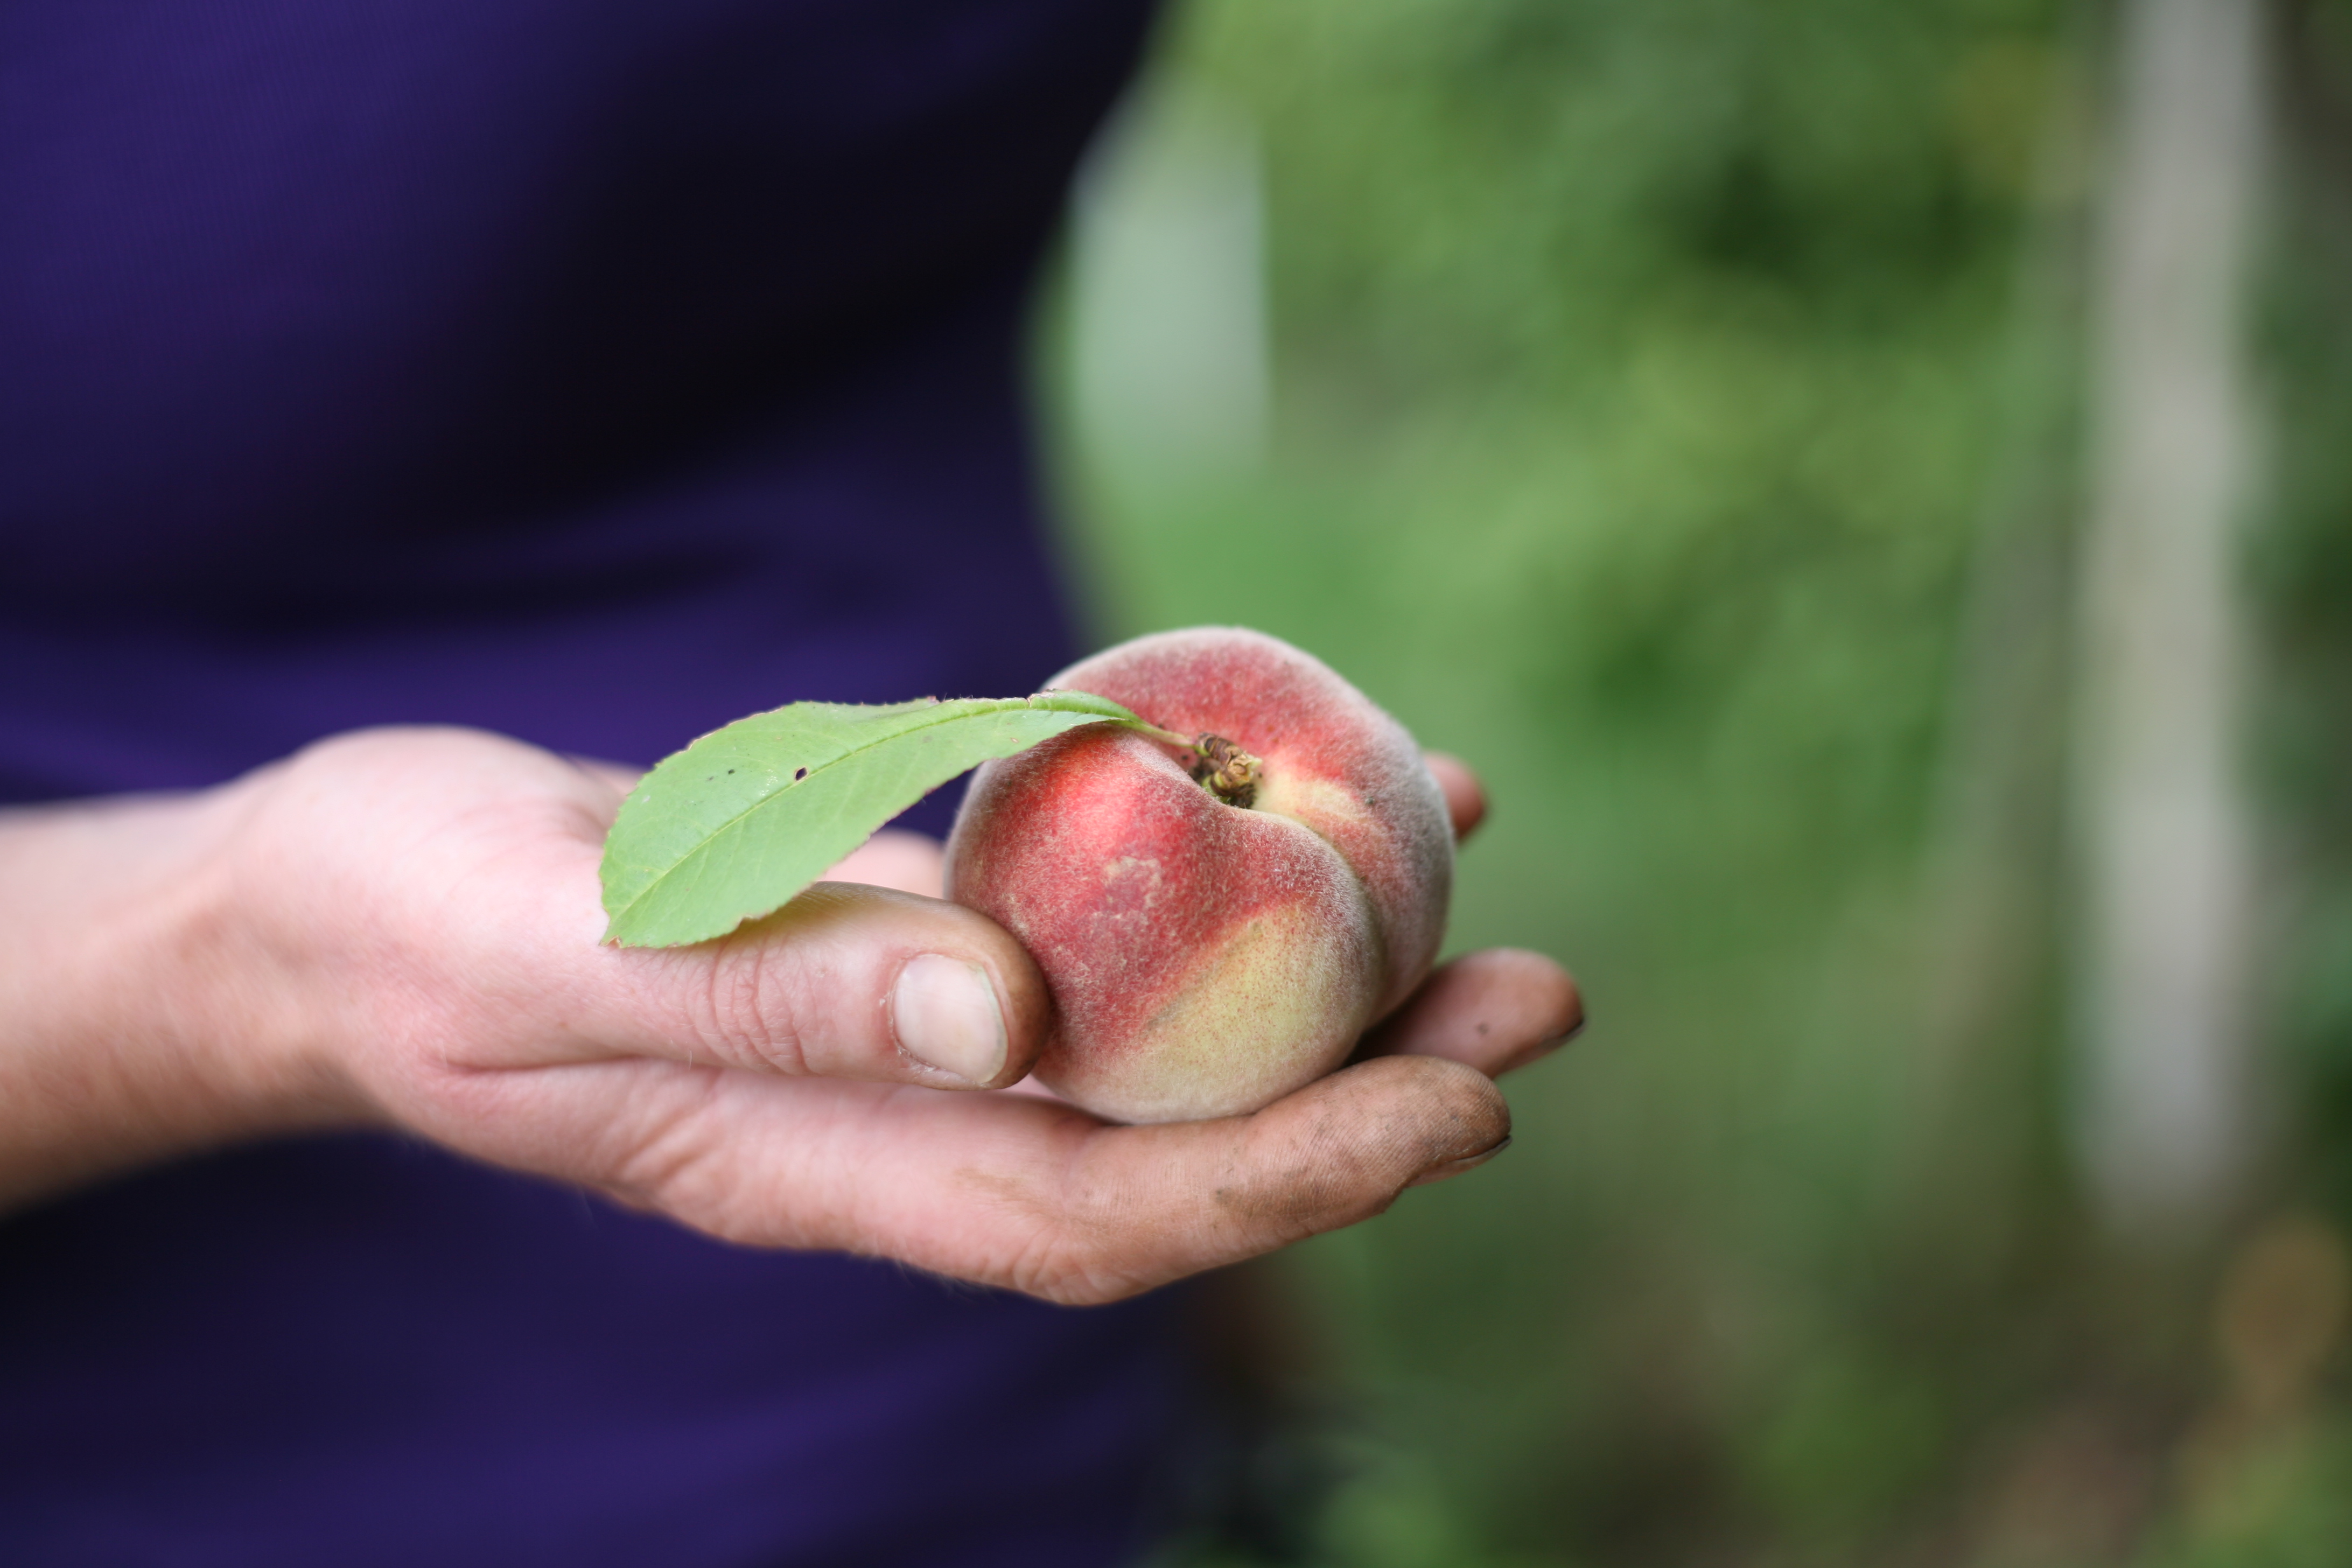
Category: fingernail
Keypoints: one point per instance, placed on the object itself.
(1537, 1051)
(945, 1013)
(1455, 1167)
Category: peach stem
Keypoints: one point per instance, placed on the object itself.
(1223, 769)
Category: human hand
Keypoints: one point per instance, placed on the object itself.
(413, 916)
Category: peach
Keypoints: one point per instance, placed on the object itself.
(1216, 929)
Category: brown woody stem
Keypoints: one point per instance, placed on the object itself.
(1223, 769)
(1227, 771)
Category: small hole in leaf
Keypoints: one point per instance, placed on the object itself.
(799, 774)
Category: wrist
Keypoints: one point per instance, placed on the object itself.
(142, 1020)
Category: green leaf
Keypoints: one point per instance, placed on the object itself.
(734, 825)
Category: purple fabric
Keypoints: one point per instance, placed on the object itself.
(593, 373)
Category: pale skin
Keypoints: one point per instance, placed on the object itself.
(398, 929)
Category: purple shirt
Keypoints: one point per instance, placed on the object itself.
(596, 373)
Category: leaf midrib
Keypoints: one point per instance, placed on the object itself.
(713, 837)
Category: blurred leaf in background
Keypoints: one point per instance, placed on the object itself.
(1673, 409)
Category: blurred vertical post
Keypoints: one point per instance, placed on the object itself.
(1168, 335)
(2165, 1104)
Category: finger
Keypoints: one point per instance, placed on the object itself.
(619, 777)
(911, 862)
(1012, 1192)
(1119, 1210)
(845, 981)
(1496, 1011)
(1465, 799)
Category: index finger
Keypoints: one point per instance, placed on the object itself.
(1024, 1194)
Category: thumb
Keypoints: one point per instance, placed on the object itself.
(845, 981)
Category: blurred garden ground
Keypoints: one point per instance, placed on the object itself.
(1678, 410)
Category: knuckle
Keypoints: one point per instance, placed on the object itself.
(667, 1159)
(1074, 1252)
(744, 1012)
(1069, 1270)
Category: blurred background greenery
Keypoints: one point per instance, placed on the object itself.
(1678, 410)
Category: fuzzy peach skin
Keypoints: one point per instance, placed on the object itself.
(1207, 959)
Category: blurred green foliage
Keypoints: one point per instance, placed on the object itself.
(1673, 414)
